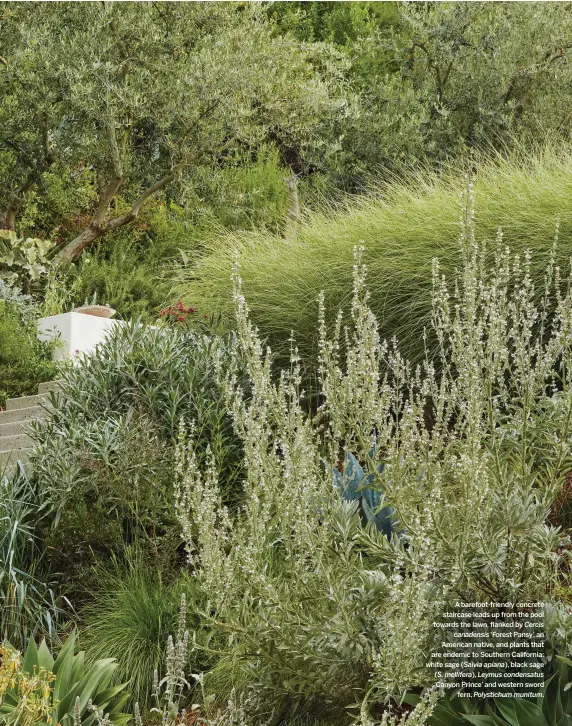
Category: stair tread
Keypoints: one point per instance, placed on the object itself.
(14, 404)
(16, 415)
(12, 428)
(9, 458)
(15, 441)
(48, 387)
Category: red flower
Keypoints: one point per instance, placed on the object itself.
(181, 318)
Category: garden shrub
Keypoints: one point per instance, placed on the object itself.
(325, 611)
(24, 360)
(103, 464)
(131, 270)
(23, 262)
(123, 272)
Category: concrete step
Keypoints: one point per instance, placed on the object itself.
(13, 404)
(20, 415)
(48, 387)
(14, 428)
(17, 441)
(10, 458)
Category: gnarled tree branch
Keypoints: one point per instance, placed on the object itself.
(9, 217)
(99, 227)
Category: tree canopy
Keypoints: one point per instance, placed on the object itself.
(126, 97)
(107, 105)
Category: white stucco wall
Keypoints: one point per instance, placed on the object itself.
(77, 332)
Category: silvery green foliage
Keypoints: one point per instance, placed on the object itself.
(18, 301)
(241, 709)
(143, 379)
(100, 718)
(170, 690)
(416, 717)
(480, 75)
(287, 575)
(28, 604)
(315, 603)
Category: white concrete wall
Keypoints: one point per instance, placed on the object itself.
(78, 333)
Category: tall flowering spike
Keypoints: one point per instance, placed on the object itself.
(156, 685)
(182, 618)
(76, 713)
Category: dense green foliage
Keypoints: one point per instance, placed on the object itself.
(22, 261)
(129, 98)
(24, 360)
(103, 465)
(29, 603)
(309, 540)
(350, 92)
(438, 80)
(133, 611)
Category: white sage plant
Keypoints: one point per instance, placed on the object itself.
(475, 444)
(416, 717)
(168, 692)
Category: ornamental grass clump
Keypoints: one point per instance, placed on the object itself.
(403, 224)
(323, 610)
(29, 600)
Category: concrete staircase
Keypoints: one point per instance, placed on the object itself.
(15, 442)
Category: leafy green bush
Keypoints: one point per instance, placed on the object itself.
(402, 228)
(323, 610)
(131, 271)
(23, 261)
(24, 360)
(132, 613)
(125, 270)
(103, 463)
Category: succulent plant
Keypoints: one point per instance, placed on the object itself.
(72, 681)
(355, 485)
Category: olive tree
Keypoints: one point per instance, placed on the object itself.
(132, 97)
(446, 79)
(488, 70)
(485, 74)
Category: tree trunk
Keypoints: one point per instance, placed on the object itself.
(8, 217)
(98, 228)
(293, 216)
(72, 251)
